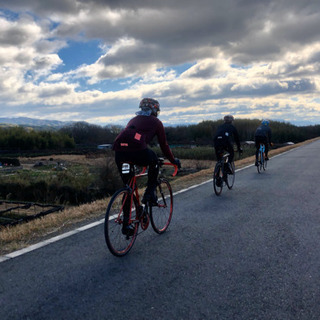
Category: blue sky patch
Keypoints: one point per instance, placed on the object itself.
(79, 53)
(182, 68)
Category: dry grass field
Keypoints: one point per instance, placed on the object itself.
(23, 235)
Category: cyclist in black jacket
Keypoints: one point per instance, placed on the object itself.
(224, 137)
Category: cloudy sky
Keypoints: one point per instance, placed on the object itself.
(93, 60)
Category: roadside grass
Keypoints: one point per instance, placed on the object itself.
(60, 182)
(20, 236)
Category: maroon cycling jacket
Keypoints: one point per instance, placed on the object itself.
(139, 132)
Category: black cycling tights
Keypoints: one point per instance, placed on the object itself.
(145, 157)
(227, 147)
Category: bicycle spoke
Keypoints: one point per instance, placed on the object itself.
(162, 213)
(231, 177)
(259, 162)
(218, 179)
(118, 243)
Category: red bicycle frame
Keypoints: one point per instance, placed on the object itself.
(132, 185)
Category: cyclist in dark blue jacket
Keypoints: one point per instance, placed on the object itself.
(224, 137)
(263, 135)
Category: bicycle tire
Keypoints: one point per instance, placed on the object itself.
(265, 164)
(118, 243)
(161, 215)
(217, 179)
(231, 177)
(259, 166)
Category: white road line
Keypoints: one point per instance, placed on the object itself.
(48, 241)
(94, 224)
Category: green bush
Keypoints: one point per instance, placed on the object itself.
(75, 185)
(202, 153)
(109, 179)
(10, 161)
(19, 138)
(198, 153)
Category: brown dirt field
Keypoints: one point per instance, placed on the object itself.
(20, 236)
(64, 159)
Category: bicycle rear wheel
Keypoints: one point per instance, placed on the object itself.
(118, 243)
(161, 214)
(217, 179)
(259, 166)
(231, 177)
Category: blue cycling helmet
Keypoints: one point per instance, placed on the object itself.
(265, 122)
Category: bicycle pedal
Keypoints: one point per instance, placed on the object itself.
(128, 231)
(144, 222)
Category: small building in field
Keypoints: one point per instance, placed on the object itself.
(105, 146)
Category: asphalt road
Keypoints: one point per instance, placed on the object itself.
(252, 253)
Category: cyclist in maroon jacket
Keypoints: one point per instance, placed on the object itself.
(131, 145)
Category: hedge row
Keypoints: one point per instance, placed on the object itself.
(10, 161)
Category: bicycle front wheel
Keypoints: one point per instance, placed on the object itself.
(218, 179)
(265, 164)
(161, 214)
(231, 177)
(118, 243)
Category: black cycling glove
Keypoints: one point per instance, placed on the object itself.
(177, 163)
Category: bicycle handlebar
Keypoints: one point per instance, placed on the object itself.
(174, 165)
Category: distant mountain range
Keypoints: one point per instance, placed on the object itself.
(34, 123)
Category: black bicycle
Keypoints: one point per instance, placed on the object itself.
(224, 173)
